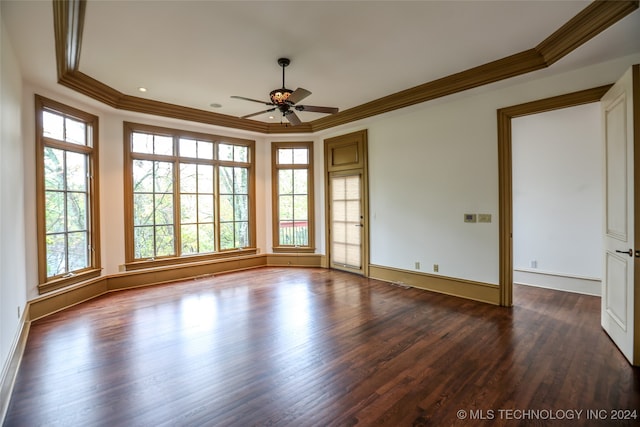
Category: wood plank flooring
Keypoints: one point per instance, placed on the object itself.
(315, 347)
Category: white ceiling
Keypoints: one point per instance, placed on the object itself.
(194, 53)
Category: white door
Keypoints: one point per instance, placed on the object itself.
(619, 282)
(346, 222)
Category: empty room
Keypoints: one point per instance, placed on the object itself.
(310, 213)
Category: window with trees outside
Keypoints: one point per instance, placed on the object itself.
(292, 177)
(190, 196)
(67, 201)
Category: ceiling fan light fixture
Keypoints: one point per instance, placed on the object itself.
(280, 96)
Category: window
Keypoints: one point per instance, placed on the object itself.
(190, 195)
(67, 205)
(292, 176)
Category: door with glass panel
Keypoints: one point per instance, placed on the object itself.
(346, 181)
(347, 223)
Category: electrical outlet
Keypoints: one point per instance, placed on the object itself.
(484, 217)
(417, 265)
(19, 312)
(436, 268)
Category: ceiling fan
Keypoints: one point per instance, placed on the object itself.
(285, 101)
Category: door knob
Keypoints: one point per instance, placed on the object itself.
(629, 252)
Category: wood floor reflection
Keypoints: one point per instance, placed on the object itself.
(315, 347)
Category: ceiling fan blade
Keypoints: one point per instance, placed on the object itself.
(249, 99)
(314, 109)
(298, 95)
(259, 112)
(293, 118)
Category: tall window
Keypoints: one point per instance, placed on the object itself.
(292, 176)
(190, 195)
(67, 205)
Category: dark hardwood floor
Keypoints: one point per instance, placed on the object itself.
(314, 347)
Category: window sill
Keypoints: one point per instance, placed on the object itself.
(54, 285)
(293, 249)
(176, 261)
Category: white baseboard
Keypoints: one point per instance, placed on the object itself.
(10, 370)
(558, 281)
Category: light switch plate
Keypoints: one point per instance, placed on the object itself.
(469, 217)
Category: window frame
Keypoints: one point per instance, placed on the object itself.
(132, 263)
(42, 104)
(275, 196)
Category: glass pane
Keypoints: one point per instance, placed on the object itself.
(142, 176)
(285, 156)
(339, 232)
(353, 256)
(188, 148)
(285, 207)
(143, 209)
(206, 237)
(285, 181)
(52, 125)
(241, 208)
(338, 189)
(188, 208)
(53, 169)
(163, 177)
(225, 152)
(164, 240)
(205, 150)
(163, 145)
(300, 177)
(54, 211)
(205, 179)
(76, 171)
(78, 251)
(226, 180)
(301, 230)
(76, 131)
(226, 208)
(339, 211)
(353, 234)
(226, 236)
(143, 242)
(164, 209)
(77, 212)
(240, 180)
(56, 255)
(300, 156)
(241, 153)
(242, 234)
(300, 208)
(352, 188)
(188, 178)
(352, 211)
(205, 208)
(142, 143)
(286, 233)
(189, 236)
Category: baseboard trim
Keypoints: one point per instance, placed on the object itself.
(557, 281)
(63, 298)
(478, 291)
(10, 370)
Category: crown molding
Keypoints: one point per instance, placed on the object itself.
(68, 19)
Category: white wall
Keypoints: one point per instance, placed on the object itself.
(557, 198)
(12, 202)
(430, 164)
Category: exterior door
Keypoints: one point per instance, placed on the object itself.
(620, 316)
(346, 200)
(346, 222)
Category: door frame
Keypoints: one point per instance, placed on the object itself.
(505, 177)
(357, 165)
